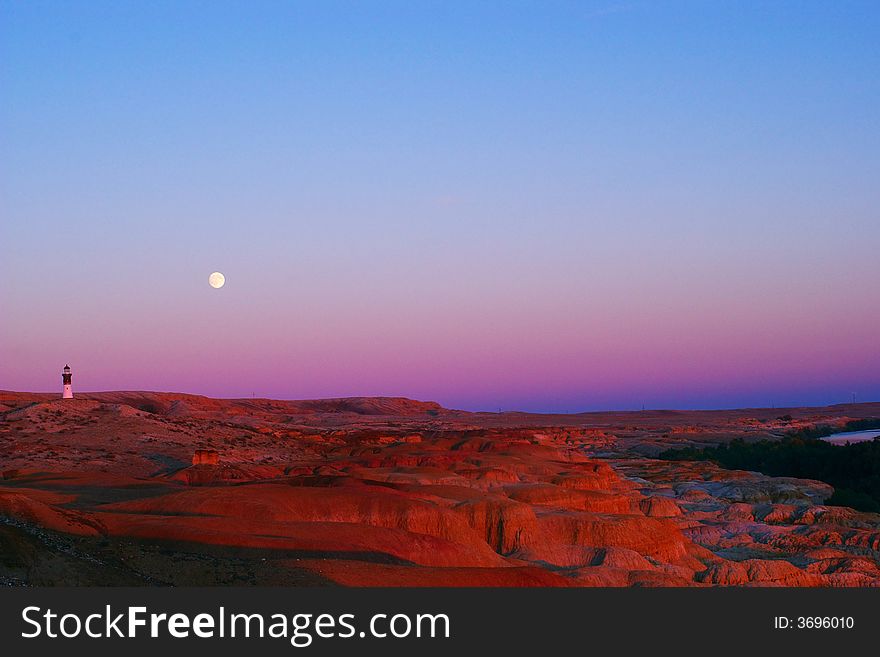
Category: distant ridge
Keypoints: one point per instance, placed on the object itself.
(182, 404)
(173, 403)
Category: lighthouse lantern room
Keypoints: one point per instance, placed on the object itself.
(65, 378)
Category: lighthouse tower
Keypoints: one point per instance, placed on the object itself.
(65, 378)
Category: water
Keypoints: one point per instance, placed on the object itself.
(847, 437)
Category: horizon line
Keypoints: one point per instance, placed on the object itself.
(431, 401)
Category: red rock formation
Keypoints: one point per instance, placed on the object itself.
(205, 457)
(376, 492)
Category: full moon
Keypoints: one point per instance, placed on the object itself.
(216, 280)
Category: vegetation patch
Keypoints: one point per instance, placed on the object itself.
(853, 470)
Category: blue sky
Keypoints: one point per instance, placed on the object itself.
(552, 206)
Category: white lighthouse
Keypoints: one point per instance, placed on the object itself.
(65, 378)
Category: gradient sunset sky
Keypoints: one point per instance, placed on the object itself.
(547, 206)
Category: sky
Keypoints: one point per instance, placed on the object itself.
(543, 206)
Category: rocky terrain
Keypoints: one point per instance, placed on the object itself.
(138, 488)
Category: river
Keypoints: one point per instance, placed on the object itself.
(847, 437)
